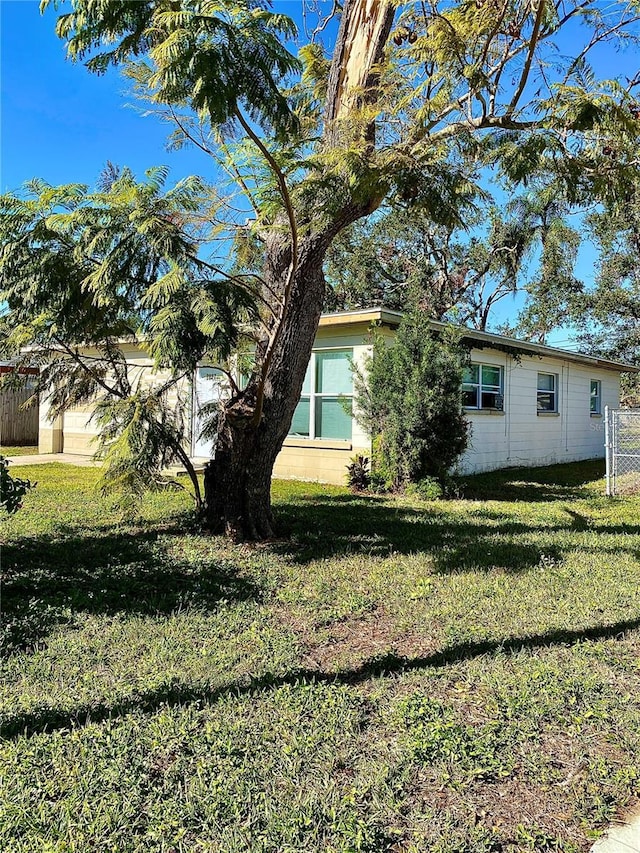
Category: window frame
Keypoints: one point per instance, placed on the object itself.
(313, 395)
(481, 388)
(553, 392)
(595, 398)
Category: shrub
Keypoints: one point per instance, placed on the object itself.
(427, 489)
(12, 489)
(410, 402)
(358, 477)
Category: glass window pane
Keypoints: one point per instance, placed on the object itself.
(490, 400)
(470, 397)
(209, 373)
(546, 401)
(306, 385)
(209, 385)
(546, 382)
(470, 374)
(300, 422)
(331, 419)
(333, 373)
(491, 376)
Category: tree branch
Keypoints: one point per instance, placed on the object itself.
(533, 42)
(75, 356)
(293, 264)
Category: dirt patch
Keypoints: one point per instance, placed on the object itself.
(515, 813)
(351, 642)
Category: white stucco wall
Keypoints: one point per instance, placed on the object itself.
(522, 436)
(75, 430)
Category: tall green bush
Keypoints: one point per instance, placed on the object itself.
(409, 399)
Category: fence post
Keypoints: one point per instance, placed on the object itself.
(607, 449)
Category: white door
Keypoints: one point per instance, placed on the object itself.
(207, 388)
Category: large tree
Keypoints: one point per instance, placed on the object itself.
(607, 315)
(411, 103)
(402, 259)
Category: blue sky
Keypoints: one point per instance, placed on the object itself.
(61, 123)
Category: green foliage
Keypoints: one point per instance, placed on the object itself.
(315, 69)
(402, 259)
(426, 489)
(138, 438)
(553, 289)
(608, 315)
(358, 473)
(85, 274)
(441, 190)
(91, 267)
(12, 489)
(630, 390)
(214, 55)
(410, 401)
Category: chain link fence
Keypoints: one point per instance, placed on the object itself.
(622, 447)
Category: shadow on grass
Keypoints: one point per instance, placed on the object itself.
(106, 571)
(175, 694)
(328, 526)
(551, 483)
(46, 582)
(482, 538)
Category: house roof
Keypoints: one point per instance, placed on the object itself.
(386, 317)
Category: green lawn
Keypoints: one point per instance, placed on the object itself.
(19, 450)
(389, 676)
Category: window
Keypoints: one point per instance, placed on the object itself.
(482, 387)
(547, 394)
(596, 397)
(324, 410)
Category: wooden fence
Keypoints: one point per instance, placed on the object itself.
(18, 426)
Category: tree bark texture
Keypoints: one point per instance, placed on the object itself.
(252, 427)
(365, 26)
(238, 479)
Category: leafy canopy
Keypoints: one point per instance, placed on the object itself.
(215, 56)
(402, 259)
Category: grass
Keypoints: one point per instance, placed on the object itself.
(19, 450)
(390, 675)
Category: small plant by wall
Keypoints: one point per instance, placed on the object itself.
(358, 473)
(12, 489)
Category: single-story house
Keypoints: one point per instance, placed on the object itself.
(528, 404)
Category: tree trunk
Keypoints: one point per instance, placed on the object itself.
(238, 480)
(253, 425)
(364, 29)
